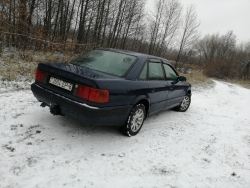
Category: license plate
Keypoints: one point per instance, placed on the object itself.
(60, 83)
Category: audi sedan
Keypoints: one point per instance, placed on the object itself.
(111, 87)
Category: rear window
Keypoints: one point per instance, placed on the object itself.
(109, 62)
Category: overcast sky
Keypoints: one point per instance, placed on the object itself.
(220, 16)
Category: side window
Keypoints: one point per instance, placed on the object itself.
(155, 71)
(143, 75)
(170, 73)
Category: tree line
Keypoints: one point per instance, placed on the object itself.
(221, 57)
(107, 23)
(168, 30)
(39, 23)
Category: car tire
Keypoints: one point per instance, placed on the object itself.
(135, 121)
(184, 104)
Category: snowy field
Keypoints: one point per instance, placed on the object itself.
(208, 146)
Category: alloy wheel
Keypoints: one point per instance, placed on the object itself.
(137, 120)
(185, 103)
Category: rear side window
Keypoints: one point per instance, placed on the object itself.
(155, 71)
(113, 63)
(170, 73)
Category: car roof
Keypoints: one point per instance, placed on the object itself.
(137, 54)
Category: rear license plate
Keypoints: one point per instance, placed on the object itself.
(60, 83)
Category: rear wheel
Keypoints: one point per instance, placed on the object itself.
(135, 121)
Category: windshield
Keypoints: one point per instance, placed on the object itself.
(106, 61)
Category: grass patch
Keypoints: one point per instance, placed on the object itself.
(242, 83)
(21, 66)
(17, 70)
(197, 78)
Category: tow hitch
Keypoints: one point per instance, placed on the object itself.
(55, 110)
(43, 104)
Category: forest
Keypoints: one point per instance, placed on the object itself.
(77, 26)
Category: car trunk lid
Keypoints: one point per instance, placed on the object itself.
(65, 78)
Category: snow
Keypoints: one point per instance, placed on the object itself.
(207, 146)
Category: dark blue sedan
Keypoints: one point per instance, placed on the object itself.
(111, 87)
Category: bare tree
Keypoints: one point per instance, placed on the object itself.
(207, 47)
(155, 25)
(227, 45)
(82, 23)
(214, 47)
(189, 32)
(171, 23)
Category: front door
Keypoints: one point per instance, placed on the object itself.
(176, 89)
(157, 86)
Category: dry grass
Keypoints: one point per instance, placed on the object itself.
(243, 83)
(21, 66)
(196, 78)
(199, 79)
(18, 71)
(15, 68)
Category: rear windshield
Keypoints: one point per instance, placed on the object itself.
(106, 61)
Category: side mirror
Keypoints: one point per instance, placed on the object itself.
(182, 78)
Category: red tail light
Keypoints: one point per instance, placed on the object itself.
(39, 75)
(83, 92)
(93, 95)
(99, 95)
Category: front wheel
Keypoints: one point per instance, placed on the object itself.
(184, 104)
(135, 121)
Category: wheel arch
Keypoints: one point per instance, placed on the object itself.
(145, 102)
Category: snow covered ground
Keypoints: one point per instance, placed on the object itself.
(208, 146)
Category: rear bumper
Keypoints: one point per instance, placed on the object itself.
(115, 116)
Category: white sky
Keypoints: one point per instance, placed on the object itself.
(220, 16)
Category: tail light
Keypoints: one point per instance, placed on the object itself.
(93, 95)
(98, 95)
(83, 92)
(40, 75)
